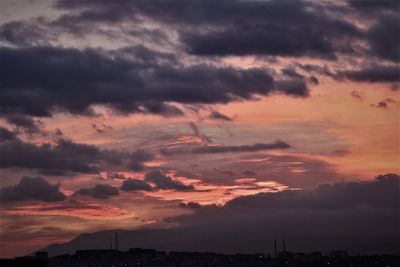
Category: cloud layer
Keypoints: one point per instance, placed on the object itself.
(340, 215)
(162, 181)
(124, 80)
(65, 156)
(32, 188)
(100, 191)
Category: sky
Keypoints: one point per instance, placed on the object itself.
(147, 115)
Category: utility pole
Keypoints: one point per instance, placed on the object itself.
(116, 240)
(284, 245)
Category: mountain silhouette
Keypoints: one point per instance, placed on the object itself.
(216, 240)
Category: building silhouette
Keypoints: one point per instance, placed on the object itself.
(153, 258)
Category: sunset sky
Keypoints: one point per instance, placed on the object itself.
(131, 115)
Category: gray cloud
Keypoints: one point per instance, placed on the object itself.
(219, 116)
(162, 181)
(190, 205)
(249, 173)
(224, 172)
(32, 188)
(382, 192)
(137, 79)
(77, 79)
(257, 29)
(100, 191)
(24, 122)
(196, 132)
(358, 95)
(26, 33)
(381, 104)
(214, 149)
(334, 209)
(340, 215)
(137, 158)
(244, 148)
(135, 185)
(372, 74)
(120, 176)
(65, 156)
(291, 86)
(383, 36)
(373, 7)
(7, 135)
(290, 72)
(101, 128)
(386, 103)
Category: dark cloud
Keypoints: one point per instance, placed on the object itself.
(53, 172)
(372, 74)
(135, 185)
(292, 73)
(199, 13)
(341, 215)
(77, 79)
(382, 193)
(340, 152)
(116, 175)
(162, 181)
(334, 209)
(224, 172)
(313, 80)
(173, 151)
(267, 39)
(375, 6)
(166, 110)
(65, 156)
(242, 28)
(315, 69)
(101, 128)
(196, 132)
(195, 129)
(381, 104)
(222, 28)
(223, 149)
(293, 86)
(249, 173)
(219, 116)
(7, 135)
(100, 191)
(137, 158)
(25, 33)
(150, 35)
(136, 166)
(58, 133)
(26, 123)
(358, 95)
(244, 148)
(384, 38)
(257, 30)
(386, 103)
(32, 188)
(190, 205)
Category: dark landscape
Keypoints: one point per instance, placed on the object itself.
(200, 133)
(151, 257)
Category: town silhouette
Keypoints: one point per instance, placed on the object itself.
(153, 258)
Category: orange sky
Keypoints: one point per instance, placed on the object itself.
(339, 132)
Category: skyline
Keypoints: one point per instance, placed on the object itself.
(165, 115)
